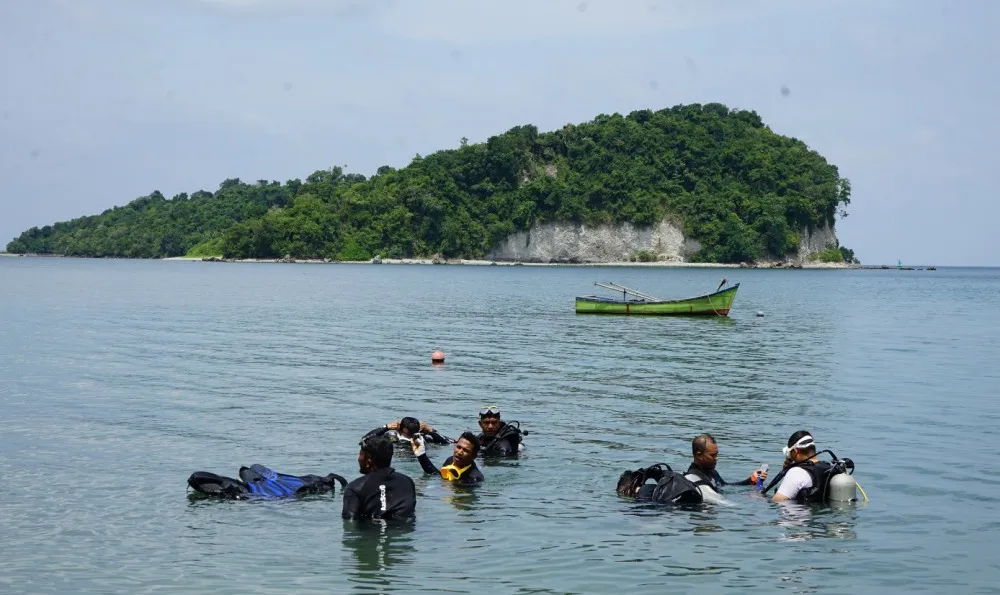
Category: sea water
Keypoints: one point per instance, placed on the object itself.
(118, 379)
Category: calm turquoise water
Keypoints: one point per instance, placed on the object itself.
(118, 379)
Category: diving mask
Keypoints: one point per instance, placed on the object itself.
(489, 411)
(804, 442)
(451, 472)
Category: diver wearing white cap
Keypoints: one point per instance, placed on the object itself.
(798, 480)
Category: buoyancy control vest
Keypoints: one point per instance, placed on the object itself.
(671, 487)
(821, 472)
(510, 432)
(702, 478)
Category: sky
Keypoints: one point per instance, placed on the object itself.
(103, 101)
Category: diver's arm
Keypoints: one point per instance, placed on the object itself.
(426, 464)
(752, 480)
(352, 505)
(376, 432)
(421, 453)
(796, 480)
(435, 437)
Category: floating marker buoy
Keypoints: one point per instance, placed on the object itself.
(437, 357)
(760, 314)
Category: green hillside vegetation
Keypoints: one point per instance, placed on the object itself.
(742, 190)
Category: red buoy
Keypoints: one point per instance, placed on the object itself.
(437, 357)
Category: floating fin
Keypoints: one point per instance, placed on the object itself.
(262, 482)
(211, 484)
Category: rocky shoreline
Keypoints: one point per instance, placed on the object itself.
(467, 262)
(620, 244)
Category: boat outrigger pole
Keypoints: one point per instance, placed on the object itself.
(627, 290)
(624, 292)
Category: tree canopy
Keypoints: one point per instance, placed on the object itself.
(743, 191)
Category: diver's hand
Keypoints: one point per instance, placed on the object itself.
(418, 445)
(392, 425)
(762, 474)
(426, 429)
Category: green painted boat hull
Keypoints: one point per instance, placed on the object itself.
(712, 304)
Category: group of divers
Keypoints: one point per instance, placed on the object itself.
(382, 492)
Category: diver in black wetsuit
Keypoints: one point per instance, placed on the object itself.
(460, 467)
(407, 428)
(705, 453)
(381, 492)
(498, 438)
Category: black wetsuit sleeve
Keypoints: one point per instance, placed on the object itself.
(376, 432)
(436, 438)
(722, 482)
(352, 504)
(404, 498)
(427, 465)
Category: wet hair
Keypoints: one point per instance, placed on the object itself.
(473, 440)
(410, 424)
(379, 450)
(700, 443)
(799, 436)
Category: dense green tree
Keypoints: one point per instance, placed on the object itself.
(742, 190)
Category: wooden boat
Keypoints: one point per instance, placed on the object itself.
(635, 302)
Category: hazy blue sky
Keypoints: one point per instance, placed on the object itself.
(102, 101)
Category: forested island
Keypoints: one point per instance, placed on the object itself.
(740, 191)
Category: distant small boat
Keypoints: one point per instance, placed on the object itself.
(640, 303)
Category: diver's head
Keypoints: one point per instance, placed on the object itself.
(466, 449)
(705, 451)
(489, 420)
(409, 427)
(375, 454)
(800, 447)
